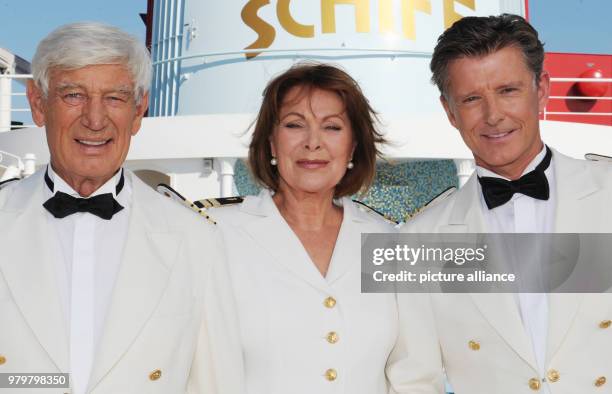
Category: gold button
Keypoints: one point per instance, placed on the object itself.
(331, 374)
(2, 360)
(474, 345)
(553, 375)
(155, 374)
(605, 324)
(330, 302)
(600, 381)
(332, 337)
(534, 384)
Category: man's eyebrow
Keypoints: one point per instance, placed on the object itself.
(475, 92)
(67, 85)
(511, 84)
(123, 89)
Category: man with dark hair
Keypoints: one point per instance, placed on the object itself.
(493, 86)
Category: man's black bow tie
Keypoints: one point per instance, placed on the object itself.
(103, 205)
(497, 191)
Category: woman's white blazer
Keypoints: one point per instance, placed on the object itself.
(303, 333)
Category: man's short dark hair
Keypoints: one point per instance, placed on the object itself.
(476, 36)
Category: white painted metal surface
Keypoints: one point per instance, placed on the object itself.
(384, 46)
(217, 136)
(6, 98)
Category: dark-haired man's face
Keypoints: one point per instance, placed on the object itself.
(494, 102)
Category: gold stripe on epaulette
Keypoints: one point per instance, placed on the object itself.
(203, 213)
(218, 202)
(176, 196)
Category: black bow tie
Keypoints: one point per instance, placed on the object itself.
(103, 205)
(497, 191)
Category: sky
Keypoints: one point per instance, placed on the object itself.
(23, 23)
(582, 26)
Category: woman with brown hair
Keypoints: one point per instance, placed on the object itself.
(294, 250)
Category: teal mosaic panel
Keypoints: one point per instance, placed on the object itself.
(398, 190)
(244, 181)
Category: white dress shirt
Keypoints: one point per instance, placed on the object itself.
(87, 265)
(524, 214)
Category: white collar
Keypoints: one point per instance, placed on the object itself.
(62, 186)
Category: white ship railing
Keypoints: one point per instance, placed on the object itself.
(15, 167)
(6, 93)
(297, 53)
(6, 101)
(159, 66)
(593, 98)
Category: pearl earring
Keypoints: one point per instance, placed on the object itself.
(350, 165)
(273, 161)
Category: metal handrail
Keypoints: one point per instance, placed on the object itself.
(570, 113)
(580, 113)
(16, 76)
(385, 52)
(580, 79)
(15, 157)
(22, 126)
(580, 98)
(11, 110)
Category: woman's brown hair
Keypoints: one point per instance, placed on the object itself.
(358, 110)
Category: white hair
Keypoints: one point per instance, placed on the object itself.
(82, 44)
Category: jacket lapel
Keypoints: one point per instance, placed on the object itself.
(347, 251)
(563, 308)
(576, 210)
(499, 309)
(33, 280)
(273, 234)
(466, 217)
(149, 254)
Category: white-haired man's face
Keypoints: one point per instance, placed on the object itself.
(90, 115)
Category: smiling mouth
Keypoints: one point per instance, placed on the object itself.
(312, 163)
(498, 135)
(93, 143)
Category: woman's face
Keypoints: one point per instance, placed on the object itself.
(313, 141)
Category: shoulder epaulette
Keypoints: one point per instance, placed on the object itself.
(218, 202)
(6, 182)
(173, 194)
(366, 208)
(597, 157)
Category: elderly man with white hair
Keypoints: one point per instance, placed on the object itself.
(100, 276)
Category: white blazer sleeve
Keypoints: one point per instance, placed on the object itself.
(415, 364)
(218, 365)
